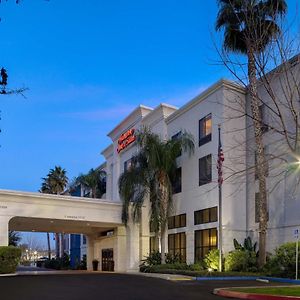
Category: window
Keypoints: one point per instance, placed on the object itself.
(127, 164)
(205, 170)
(177, 221)
(257, 214)
(177, 245)
(207, 215)
(205, 127)
(262, 112)
(175, 137)
(176, 182)
(205, 240)
(83, 239)
(266, 171)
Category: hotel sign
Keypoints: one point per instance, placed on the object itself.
(126, 139)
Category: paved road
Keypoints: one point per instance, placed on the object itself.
(107, 286)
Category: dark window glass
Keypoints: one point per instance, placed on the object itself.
(205, 240)
(83, 239)
(177, 136)
(176, 183)
(205, 129)
(205, 170)
(177, 245)
(207, 215)
(127, 164)
(177, 221)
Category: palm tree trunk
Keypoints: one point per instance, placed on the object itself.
(163, 245)
(261, 163)
(49, 247)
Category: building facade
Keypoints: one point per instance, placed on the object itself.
(193, 226)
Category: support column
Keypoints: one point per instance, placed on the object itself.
(132, 247)
(4, 239)
(120, 257)
(90, 244)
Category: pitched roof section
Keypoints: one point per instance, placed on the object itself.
(136, 115)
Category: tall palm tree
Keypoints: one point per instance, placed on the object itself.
(150, 176)
(249, 27)
(95, 181)
(55, 183)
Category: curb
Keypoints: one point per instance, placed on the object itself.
(250, 278)
(239, 295)
(8, 275)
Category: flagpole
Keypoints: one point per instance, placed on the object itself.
(220, 205)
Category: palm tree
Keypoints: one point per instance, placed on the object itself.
(14, 238)
(95, 180)
(55, 183)
(249, 27)
(150, 176)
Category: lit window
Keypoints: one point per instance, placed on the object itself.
(177, 221)
(177, 245)
(205, 129)
(205, 240)
(207, 215)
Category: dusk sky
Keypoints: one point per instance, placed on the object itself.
(87, 64)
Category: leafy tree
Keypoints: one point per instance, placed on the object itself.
(54, 183)
(95, 180)
(249, 27)
(150, 177)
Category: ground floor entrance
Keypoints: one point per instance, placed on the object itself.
(108, 260)
(116, 247)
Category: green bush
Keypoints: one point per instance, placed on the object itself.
(211, 259)
(58, 263)
(173, 258)
(241, 261)
(9, 258)
(283, 262)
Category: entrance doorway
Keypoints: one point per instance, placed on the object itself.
(108, 260)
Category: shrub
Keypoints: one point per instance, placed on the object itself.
(283, 262)
(9, 258)
(153, 259)
(173, 258)
(58, 263)
(211, 259)
(241, 261)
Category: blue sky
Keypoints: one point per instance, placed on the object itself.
(87, 64)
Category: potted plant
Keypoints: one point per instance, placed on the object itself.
(95, 264)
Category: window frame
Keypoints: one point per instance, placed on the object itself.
(202, 124)
(198, 215)
(208, 160)
(200, 249)
(172, 242)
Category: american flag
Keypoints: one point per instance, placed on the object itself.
(220, 160)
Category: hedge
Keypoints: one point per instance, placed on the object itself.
(9, 259)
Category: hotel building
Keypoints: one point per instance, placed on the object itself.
(193, 226)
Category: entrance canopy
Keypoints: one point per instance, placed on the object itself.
(23, 211)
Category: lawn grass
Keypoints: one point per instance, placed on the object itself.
(282, 291)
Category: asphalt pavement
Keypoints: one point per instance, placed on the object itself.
(109, 286)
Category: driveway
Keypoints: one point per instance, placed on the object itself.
(108, 286)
